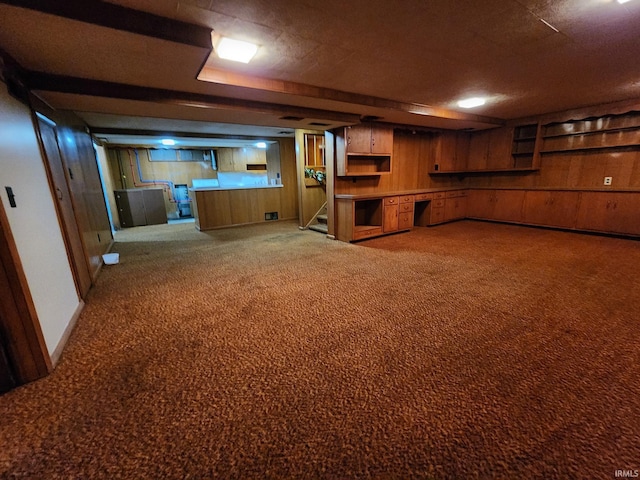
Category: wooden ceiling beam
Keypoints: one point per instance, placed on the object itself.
(118, 17)
(98, 88)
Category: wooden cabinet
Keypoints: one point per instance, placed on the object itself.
(369, 139)
(455, 205)
(405, 212)
(551, 208)
(452, 152)
(500, 205)
(390, 212)
(364, 150)
(437, 208)
(398, 213)
(140, 206)
(358, 219)
(610, 212)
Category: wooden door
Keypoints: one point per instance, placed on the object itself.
(481, 204)
(358, 139)
(65, 208)
(508, 205)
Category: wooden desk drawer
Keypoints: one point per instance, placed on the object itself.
(438, 204)
(421, 197)
(406, 199)
(406, 207)
(366, 232)
(457, 193)
(439, 195)
(391, 200)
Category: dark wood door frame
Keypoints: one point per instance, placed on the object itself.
(24, 342)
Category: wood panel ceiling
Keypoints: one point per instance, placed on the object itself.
(327, 62)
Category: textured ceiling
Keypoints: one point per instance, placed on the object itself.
(375, 57)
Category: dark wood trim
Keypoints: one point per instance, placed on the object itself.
(18, 318)
(122, 18)
(223, 77)
(176, 134)
(98, 88)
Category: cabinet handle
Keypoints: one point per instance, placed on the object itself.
(615, 204)
(348, 140)
(608, 205)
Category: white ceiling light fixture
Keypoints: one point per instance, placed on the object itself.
(261, 145)
(235, 50)
(623, 1)
(169, 142)
(471, 102)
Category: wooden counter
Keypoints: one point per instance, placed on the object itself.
(225, 207)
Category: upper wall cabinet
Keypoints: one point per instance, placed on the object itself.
(495, 150)
(364, 150)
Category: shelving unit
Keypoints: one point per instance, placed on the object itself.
(525, 148)
(604, 133)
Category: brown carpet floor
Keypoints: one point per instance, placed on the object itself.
(468, 350)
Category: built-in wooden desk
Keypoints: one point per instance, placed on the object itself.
(370, 215)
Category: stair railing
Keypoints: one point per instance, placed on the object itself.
(324, 205)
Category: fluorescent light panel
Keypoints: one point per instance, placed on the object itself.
(168, 142)
(236, 50)
(623, 1)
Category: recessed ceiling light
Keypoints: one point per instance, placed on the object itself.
(261, 144)
(235, 50)
(471, 102)
(168, 142)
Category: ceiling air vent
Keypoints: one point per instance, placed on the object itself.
(319, 124)
(292, 118)
(370, 118)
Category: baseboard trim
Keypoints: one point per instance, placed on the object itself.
(57, 353)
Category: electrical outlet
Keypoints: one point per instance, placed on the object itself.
(607, 180)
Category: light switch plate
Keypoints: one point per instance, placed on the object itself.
(607, 180)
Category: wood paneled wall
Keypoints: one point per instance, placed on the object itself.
(568, 161)
(414, 153)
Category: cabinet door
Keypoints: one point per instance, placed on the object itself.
(358, 139)
(610, 212)
(390, 215)
(481, 204)
(154, 209)
(507, 205)
(500, 141)
(381, 140)
(455, 208)
(478, 151)
(554, 209)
